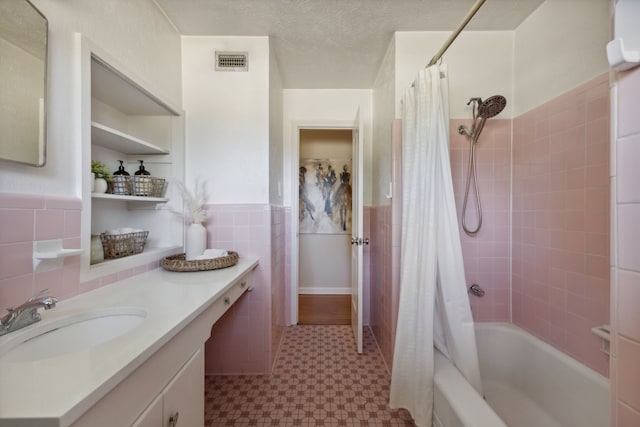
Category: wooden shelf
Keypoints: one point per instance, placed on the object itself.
(114, 139)
(141, 199)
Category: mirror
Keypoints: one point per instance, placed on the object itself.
(23, 71)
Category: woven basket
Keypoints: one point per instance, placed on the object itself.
(179, 263)
(122, 245)
(148, 186)
(141, 185)
(159, 187)
(121, 185)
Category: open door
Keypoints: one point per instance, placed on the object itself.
(357, 238)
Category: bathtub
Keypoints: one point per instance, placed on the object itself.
(527, 383)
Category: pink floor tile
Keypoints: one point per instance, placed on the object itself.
(318, 380)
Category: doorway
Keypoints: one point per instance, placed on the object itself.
(356, 240)
(324, 245)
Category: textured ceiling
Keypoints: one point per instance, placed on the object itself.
(336, 43)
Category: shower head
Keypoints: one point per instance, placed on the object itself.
(482, 110)
(492, 106)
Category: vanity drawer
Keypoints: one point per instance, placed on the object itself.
(223, 303)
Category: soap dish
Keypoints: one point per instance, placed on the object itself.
(179, 263)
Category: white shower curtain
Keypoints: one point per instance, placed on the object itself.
(434, 306)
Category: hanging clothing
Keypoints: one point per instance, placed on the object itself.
(433, 307)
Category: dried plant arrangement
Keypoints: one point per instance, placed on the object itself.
(194, 211)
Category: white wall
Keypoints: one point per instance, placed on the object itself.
(325, 259)
(319, 107)
(479, 64)
(227, 126)
(323, 269)
(134, 32)
(384, 93)
(276, 139)
(570, 51)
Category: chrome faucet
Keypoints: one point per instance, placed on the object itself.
(27, 313)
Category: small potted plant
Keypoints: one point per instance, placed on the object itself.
(102, 176)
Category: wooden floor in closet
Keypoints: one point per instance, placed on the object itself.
(324, 309)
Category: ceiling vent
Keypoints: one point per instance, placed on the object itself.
(232, 61)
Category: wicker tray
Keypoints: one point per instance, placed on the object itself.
(179, 263)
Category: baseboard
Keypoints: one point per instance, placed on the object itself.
(324, 291)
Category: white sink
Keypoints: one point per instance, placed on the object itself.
(67, 334)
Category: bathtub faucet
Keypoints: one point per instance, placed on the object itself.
(476, 290)
(27, 313)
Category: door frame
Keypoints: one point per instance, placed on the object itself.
(294, 242)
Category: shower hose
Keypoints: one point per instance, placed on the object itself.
(472, 171)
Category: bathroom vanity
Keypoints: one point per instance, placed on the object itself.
(127, 354)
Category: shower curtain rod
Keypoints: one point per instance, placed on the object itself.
(453, 36)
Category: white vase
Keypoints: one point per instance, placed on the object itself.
(93, 182)
(100, 185)
(196, 241)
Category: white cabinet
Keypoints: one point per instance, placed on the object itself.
(123, 119)
(181, 402)
(170, 382)
(152, 416)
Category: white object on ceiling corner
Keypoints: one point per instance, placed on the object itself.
(623, 52)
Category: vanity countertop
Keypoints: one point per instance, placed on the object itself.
(63, 387)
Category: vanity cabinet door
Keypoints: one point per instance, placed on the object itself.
(181, 402)
(183, 398)
(152, 416)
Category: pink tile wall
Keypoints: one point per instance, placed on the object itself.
(246, 338)
(561, 221)
(366, 268)
(248, 335)
(625, 274)
(559, 231)
(287, 265)
(395, 225)
(385, 229)
(278, 276)
(28, 218)
(486, 253)
(381, 306)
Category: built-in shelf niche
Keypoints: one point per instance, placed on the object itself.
(116, 140)
(130, 122)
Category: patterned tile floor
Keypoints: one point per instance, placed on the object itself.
(318, 380)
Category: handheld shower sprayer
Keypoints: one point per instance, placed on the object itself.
(462, 130)
(482, 110)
